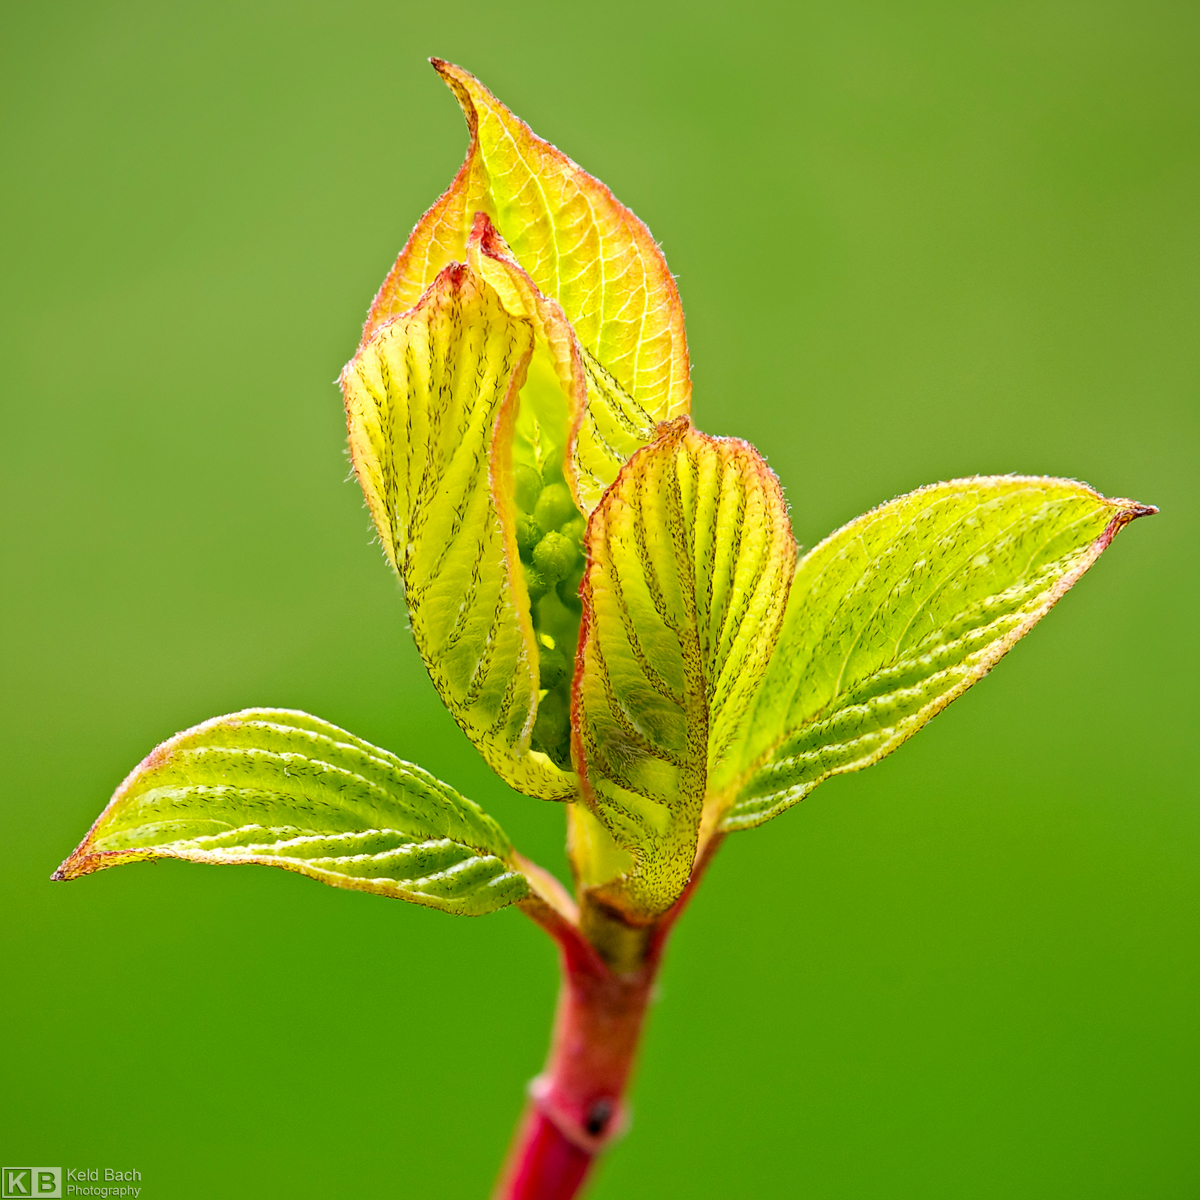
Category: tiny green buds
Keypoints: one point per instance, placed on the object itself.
(527, 487)
(555, 507)
(529, 533)
(554, 556)
(554, 668)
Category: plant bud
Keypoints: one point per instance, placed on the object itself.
(553, 468)
(555, 506)
(536, 584)
(552, 668)
(528, 486)
(529, 533)
(552, 729)
(568, 587)
(554, 556)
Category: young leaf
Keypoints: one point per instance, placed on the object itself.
(431, 404)
(689, 557)
(288, 790)
(582, 249)
(554, 395)
(897, 614)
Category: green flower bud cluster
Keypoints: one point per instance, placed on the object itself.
(550, 541)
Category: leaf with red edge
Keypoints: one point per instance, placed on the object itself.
(897, 614)
(690, 553)
(285, 789)
(582, 249)
(431, 403)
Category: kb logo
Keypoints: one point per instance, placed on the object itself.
(31, 1181)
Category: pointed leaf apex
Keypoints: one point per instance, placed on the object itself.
(898, 613)
(1136, 510)
(1127, 511)
(581, 248)
(462, 84)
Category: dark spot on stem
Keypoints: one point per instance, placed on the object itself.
(598, 1117)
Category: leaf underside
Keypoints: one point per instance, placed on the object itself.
(690, 554)
(898, 613)
(430, 405)
(285, 789)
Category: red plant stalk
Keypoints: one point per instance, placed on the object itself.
(576, 1106)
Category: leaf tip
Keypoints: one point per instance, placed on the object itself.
(456, 78)
(78, 863)
(1127, 511)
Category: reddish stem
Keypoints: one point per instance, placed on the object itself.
(576, 1106)
(545, 1164)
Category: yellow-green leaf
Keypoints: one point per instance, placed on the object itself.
(689, 557)
(554, 394)
(582, 249)
(897, 614)
(431, 403)
(549, 523)
(284, 789)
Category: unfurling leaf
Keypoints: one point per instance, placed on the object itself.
(582, 249)
(548, 524)
(431, 403)
(287, 790)
(689, 557)
(898, 613)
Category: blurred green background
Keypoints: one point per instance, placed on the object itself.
(914, 241)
